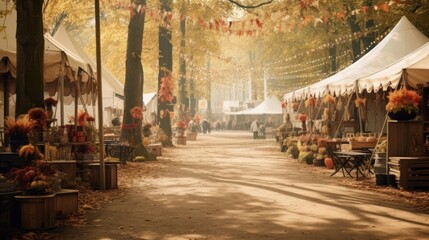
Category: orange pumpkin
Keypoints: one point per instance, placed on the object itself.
(329, 163)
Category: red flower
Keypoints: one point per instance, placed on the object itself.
(136, 112)
(181, 124)
(82, 118)
(302, 117)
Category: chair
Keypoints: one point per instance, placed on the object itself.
(341, 162)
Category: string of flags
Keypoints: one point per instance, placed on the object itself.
(253, 26)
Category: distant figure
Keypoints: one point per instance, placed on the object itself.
(254, 127)
(206, 126)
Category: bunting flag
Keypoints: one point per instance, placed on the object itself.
(283, 21)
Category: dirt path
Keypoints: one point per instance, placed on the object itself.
(229, 186)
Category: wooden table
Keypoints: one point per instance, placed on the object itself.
(359, 158)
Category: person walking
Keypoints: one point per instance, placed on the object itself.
(254, 127)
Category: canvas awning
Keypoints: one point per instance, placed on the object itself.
(271, 106)
(403, 39)
(414, 68)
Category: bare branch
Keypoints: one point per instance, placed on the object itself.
(250, 6)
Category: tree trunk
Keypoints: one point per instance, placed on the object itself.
(192, 93)
(30, 45)
(133, 88)
(355, 42)
(369, 37)
(184, 101)
(165, 67)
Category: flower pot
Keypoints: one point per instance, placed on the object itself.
(37, 212)
(402, 115)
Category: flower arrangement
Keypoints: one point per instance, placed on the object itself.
(38, 117)
(310, 102)
(136, 113)
(166, 89)
(302, 117)
(18, 128)
(181, 125)
(329, 99)
(39, 179)
(82, 118)
(360, 102)
(408, 100)
(38, 176)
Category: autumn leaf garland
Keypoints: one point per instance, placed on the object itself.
(166, 89)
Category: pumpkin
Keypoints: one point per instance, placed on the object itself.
(329, 163)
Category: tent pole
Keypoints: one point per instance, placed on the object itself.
(100, 97)
(344, 114)
(63, 73)
(359, 111)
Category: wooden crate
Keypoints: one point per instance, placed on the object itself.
(181, 140)
(111, 175)
(357, 145)
(410, 171)
(66, 203)
(155, 149)
(191, 136)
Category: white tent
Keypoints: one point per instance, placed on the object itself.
(60, 65)
(271, 106)
(112, 87)
(415, 66)
(151, 104)
(403, 39)
(111, 84)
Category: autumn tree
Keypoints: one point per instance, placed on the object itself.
(165, 97)
(134, 78)
(30, 55)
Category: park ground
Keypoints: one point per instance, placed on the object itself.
(226, 185)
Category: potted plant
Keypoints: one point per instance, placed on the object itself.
(38, 176)
(38, 118)
(303, 118)
(181, 127)
(39, 182)
(403, 104)
(17, 130)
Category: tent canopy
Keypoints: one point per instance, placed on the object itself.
(150, 101)
(415, 66)
(59, 63)
(66, 39)
(271, 106)
(403, 39)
